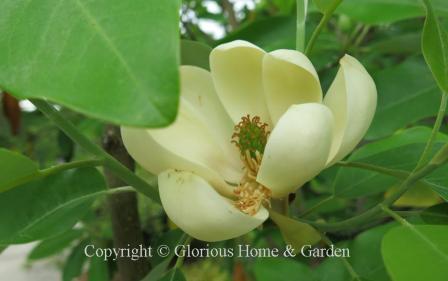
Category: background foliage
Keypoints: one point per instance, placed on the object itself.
(95, 59)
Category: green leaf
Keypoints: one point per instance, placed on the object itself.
(397, 44)
(435, 47)
(416, 253)
(295, 233)
(174, 275)
(195, 53)
(160, 265)
(114, 60)
(441, 190)
(436, 215)
(171, 238)
(75, 262)
(14, 167)
(381, 12)
(332, 269)
(98, 270)
(365, 253)
(49, 206)
(159, 270)
(420, 195)
(54, 245)
(400, 151)
(323, 5)
(281, 269)
(270, 33)
(407, 93)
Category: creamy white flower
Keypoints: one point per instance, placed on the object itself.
(214, 190)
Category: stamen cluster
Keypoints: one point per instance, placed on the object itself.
(251, 137)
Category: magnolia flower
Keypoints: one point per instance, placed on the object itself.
(255, 127)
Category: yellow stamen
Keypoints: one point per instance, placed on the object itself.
(251, 194)
(250, 137)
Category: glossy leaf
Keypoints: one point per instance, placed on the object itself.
(417, 253)
(407, 93)
(195, 53)
(49, 206)
(365, 253)
(281, 269)
(332, 269)
(381, 12)
(54, 245)
(98, 270)
(270, 33)
(323, 5)
(174, 275)
(436, 215)
(421, 195)
(160, 265)
(400, 151)
(114, 60)
(435, 47)
(295, 233)
(397, 44)
(159, 270)
(74, 263)
(171, 238)
(441, 190)
(14, 167)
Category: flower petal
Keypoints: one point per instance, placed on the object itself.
(198, 91)
(352, 99)
(289, 78)
(297, 149)
(199, 139)
(236, 68)
(193, 205)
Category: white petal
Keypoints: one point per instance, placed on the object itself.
(352, 99)
(197, 90)
(289, 78)
(194, 206)
(297, 149)
(155, 158)
(198, 141)
(236, 68)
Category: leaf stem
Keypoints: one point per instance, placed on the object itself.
(323, 22)
(435, 130)
(53, 170)
(119, 169)
(413, 229)
(180, 259)
(382, 170)
(316, 206)
(362, 35)
(437, 161)
(71, 165)
(300, 24)
(347, 265)
(394, 215)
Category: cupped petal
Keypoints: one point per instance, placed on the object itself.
(155, 158)
(198, 93)
(297, 149)
(236, 68)
(289, 78)
(352, 98)
(194, 206)
(199, 139)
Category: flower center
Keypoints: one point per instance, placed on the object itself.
(251, 136)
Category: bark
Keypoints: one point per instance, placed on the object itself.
(124, 211)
